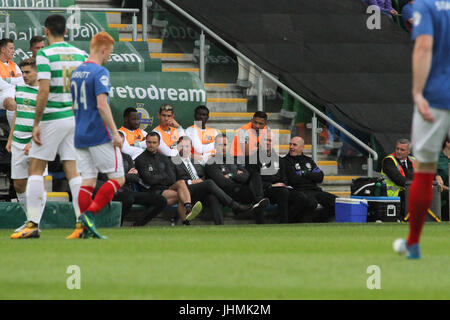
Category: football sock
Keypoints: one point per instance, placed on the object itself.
(419, 200)
(85, 197)
(22, 198)
(104, 195)
(35, 195)
(75, 184)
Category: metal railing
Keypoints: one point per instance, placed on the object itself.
(71, 10)
(205, 29)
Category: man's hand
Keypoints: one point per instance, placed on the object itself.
(279, 184)
(117, 140)
(239, 172)
(196, 181)
(133, 171)
(27, 148)
(8, 146)
(173, 123)
(423, 107)
(36, 135)
(394, 12)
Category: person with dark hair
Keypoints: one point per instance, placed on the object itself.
(19, 140)
(247, 137)
(10, 75)
(36, 44)
(134, 143)
(169, 131)
(242, 185)
(158, 176)
(129, 194)
(205, 190)
(202, 136)
(54, 122)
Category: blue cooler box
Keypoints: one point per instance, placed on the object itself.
(351, 210)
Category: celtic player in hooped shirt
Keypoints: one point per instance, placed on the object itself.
(54, 122)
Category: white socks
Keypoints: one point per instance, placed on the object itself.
(36, 198)
(75, 185)
(22, 198)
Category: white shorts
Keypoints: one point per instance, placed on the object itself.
(427, 138)
(19, 163)
(57, 137)
(104, 158)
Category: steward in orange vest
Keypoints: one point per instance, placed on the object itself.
(247, 137)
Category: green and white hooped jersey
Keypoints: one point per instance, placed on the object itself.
(56, 63)
(26, 105)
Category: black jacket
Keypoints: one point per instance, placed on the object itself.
(181, 171)
(155, 170)
(302, 172)
(130, 178)
(273, 171)
(217, 171)
(390, 169)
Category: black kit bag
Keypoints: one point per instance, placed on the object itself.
(368, 187)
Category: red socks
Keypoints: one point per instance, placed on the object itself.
(104, 195)
(85, 197)
(419, 200)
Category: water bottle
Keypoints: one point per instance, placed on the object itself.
(377, 189)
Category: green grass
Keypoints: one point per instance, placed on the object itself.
(310, 261)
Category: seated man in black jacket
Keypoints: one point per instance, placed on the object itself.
(235, 180)
(129, 195)
(157, 175)
(290, 202)
(303, 175)
(205, 190)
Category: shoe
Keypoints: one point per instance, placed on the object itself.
(194, 211)
(23, 227)
(88, 221)
(261, 204)
(78, 232)
(237, 207)
(411, 252)
(30, 231)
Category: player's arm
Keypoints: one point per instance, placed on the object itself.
(107, 117)
(422, 58)
(41, 103)
(11, 132)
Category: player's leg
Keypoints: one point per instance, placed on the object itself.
(107, 159)
(186, 210)
(35, 197)
(427, 140)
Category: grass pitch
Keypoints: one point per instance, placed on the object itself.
(307, 261)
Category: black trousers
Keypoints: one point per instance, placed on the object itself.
(291, 204)
(214, 198)
(154, 204)
(325, 199)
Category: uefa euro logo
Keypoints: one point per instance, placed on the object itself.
(145, 119)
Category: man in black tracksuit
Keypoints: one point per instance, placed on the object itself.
(244, 186)
(290, 203)
(157, 175)
(303, 175)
